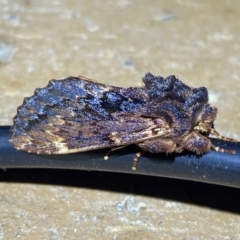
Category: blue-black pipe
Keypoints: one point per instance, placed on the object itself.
(213, 167)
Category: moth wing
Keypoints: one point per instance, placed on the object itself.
(60, 136)
(72, 115)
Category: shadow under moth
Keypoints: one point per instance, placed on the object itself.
(78, 114)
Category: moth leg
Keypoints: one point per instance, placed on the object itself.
(219, 136)
(111, 150)
(138, 155)
(222, 150)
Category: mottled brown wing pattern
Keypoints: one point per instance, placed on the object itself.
(76, 115)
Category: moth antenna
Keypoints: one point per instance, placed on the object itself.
(138, 155)
(222, 150)
(111, 150)
(219, 136)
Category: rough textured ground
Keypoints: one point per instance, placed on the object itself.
(117, 42)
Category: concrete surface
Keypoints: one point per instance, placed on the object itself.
(116, 42)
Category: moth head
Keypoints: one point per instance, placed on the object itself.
(206, 119)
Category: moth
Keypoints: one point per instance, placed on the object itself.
(78, 114)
